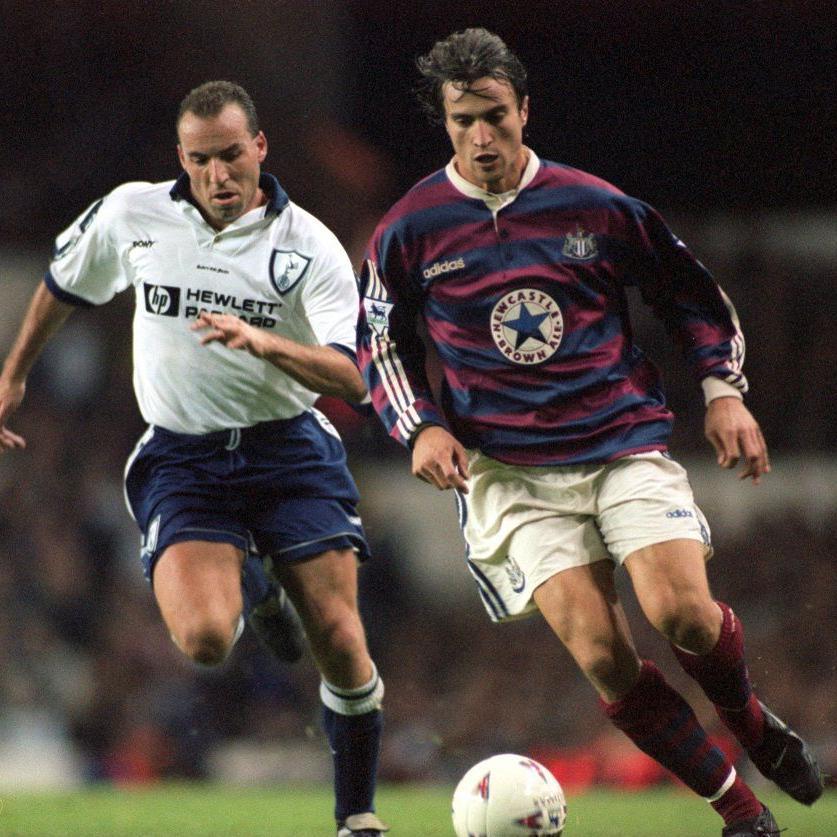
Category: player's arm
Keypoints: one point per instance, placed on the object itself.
(321, 369)
(702, 320)
(392, 358)
(43, 318)
(85, 270)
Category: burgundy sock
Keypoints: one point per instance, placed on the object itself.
(657, 719)
(723, 676)
(737, 804)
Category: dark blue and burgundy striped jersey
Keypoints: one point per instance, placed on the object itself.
(525, 313)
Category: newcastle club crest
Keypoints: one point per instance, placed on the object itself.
(287, 267)
(581, 246)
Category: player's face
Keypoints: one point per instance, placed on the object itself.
(223, 162)
(485, 125)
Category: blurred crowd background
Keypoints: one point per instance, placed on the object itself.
(719, 116)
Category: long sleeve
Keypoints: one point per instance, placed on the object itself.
(391, 354)
(684, 295)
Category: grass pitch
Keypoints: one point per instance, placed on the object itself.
(213, 811)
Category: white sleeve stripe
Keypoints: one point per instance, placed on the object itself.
(737, 342)
(383, 362)
(410, 418)
(390, 368)
(397, 386)
(377, 291)
(408, 422)
(398, 390)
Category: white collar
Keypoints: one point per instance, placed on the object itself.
(493, 200)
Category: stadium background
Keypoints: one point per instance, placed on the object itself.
(719, 114)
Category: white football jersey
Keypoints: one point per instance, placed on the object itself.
(277, 267)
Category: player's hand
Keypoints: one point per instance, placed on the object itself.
(735, 434)
(11, 396)
(440, 459)
(231, 331)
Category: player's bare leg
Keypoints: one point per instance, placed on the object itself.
(324, 590)
(198, 589)
(670, 582)
(582, 608)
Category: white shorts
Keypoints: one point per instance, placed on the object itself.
(522, 525)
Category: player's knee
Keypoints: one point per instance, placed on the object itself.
(207, 644)
(342, 638)
(688, 624)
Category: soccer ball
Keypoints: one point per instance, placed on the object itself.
(508, 796)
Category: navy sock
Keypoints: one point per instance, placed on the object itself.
(355, 742)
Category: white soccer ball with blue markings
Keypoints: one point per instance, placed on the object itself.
(508, 796)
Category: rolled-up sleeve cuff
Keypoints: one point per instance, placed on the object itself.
(716, 388)
(64, 296)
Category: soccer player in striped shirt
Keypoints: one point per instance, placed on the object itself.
(550, 424)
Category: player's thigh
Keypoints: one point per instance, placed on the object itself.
(672, 588)
(582, 607)
(323, 588)
(199, 582)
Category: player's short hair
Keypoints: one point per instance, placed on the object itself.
(211, 97)
(461, 59)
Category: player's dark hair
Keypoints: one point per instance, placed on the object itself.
(210, 98)
(461, 59)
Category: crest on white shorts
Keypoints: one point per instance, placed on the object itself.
(527, 326)
(287, 267)
(517, 578)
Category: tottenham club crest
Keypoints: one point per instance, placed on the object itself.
(527, 326)
(287, 267)
(581, 246)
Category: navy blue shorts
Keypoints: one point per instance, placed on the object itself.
(280, 488)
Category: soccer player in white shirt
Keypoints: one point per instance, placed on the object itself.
(245, 313)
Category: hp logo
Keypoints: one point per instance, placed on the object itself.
(162, 300)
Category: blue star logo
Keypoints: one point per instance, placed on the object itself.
(527, 325)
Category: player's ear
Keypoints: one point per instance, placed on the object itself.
(524, 110)
(261, 146)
